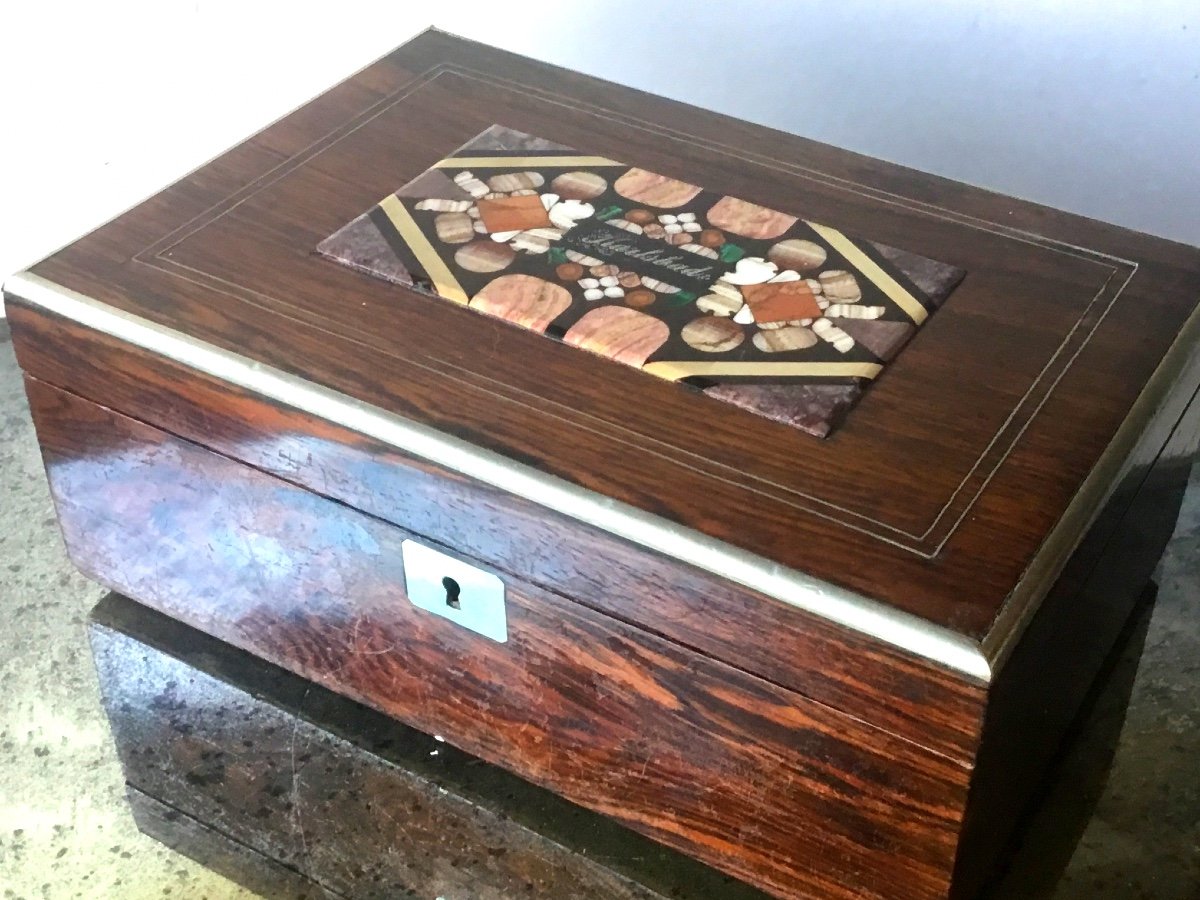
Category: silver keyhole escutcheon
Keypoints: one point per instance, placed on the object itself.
(455, 590)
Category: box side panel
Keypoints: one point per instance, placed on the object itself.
(1051, 671)
(901, 693)
(755, 780)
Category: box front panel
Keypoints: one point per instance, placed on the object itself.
(892, 690)
(755, 780)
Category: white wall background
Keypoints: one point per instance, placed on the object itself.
(1088, 105)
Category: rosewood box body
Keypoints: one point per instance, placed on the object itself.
(775, 502)
(299, 793)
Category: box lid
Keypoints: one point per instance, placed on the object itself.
(932, 517)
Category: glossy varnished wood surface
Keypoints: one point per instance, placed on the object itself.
(935, 494)
(906, 695)
(784, 792)
(324, 788)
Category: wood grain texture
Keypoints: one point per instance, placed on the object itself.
(816, 805)
(933, 497)
(895, 691)
(1056, 662)
(317, 784)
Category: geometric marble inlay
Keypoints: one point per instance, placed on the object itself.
(782, 316)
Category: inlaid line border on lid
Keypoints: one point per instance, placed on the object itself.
(957, 506)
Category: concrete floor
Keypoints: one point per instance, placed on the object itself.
(1123, 816)
(64, 829)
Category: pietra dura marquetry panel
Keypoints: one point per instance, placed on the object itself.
(780, 316)
(917, 567)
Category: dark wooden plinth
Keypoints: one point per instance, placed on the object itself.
(221, 853)
(296, 792)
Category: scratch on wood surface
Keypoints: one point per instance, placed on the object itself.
(297, 813)
(356, 649)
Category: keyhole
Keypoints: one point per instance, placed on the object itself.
(452, 592)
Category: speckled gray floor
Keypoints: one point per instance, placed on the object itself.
(64, 829)
(65, 832)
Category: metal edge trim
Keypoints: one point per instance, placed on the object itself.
(1089, 501)
(846, 608)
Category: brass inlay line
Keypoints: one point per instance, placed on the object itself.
(673, 371)
(151, 256)
(439, 273)
(871, 270)
(494, 162)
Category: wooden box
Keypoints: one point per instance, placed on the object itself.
(811, 597)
